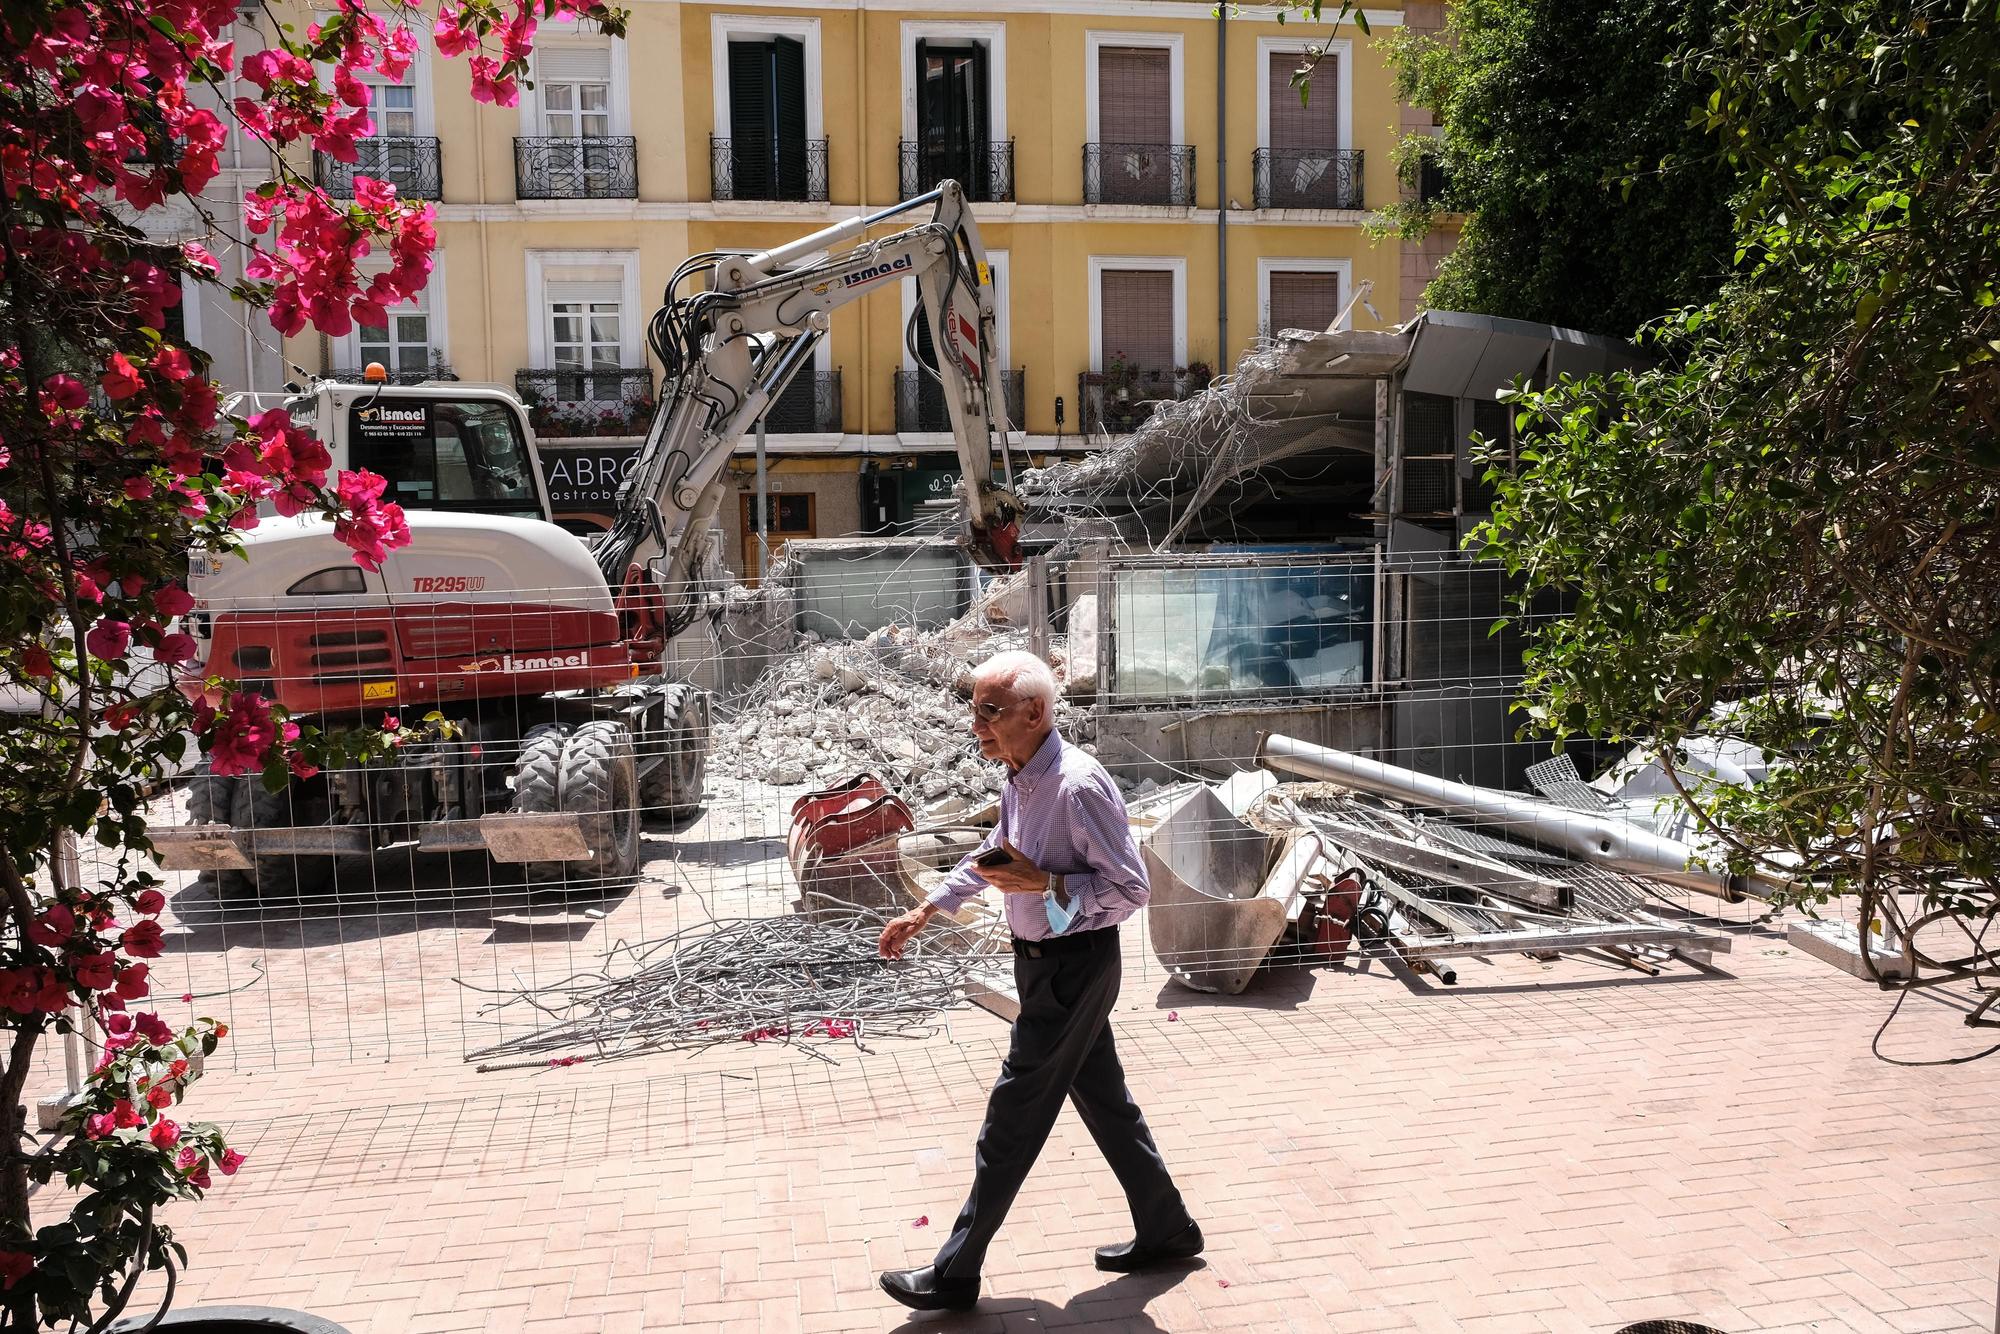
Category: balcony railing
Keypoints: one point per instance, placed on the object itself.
(605, 167)
(1119, 401)
(571, 402)
(1139, 174)
(810, 405)
(412, 164)
(437, 370)
(1307, 178)
(985, 170)
(794, 172)
(920, 402)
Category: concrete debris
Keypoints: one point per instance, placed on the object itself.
(894, 703)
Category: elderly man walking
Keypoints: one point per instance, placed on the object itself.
(1064, 857)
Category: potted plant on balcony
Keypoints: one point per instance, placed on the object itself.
(110, 435)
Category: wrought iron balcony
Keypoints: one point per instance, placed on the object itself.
(1139, 174)
(604, 167)
(985, 170)
(920, 401)
(1307, 178)
(794, 172)
(437, 370)
(570, 401)
(1122, 399)
(410, 163)
(809, 405)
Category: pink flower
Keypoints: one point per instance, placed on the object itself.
(54, 927)
(124, 1115)
(109, 639)
(117, 1023)
(133, 983)
(173, 600)
(242, 736)
(187, 1157)
(150, 902)
(176, 647)
(138, 488)
(95, 971)
(153, 1028)
(99, 1126)
(173, 363)
(164, 1133)
(160, 1096)
(14, 1266)
(451, 39)
(35, 662)
(120, 379)
(143, 940)
(66, 392)
(231, 1160)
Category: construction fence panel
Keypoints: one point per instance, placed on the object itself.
(369, 917)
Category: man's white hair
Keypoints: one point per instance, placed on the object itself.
(1020, 674)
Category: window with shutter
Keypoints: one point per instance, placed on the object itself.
(767, 119)
(1307, 301)
(1314, 123)
(1134, 95)
(1136, 319)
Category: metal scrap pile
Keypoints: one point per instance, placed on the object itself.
(768, 979)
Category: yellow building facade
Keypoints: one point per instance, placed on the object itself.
(1153, 194)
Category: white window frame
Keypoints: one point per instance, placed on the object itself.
(1268, 265)
(722, 28)
(572, 33)
(1340, 51)
(547, 266)
(1002, 309)
(1093, 39)
(1099, 265)
(420, 83)
(993, 35)
(191, 296)
(347, 347)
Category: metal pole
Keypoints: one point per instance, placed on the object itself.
(1222, 362)
(763, 509)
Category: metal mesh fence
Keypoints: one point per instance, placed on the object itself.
(580, 869)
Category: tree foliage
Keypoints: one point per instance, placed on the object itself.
(1797, 513)
(1545, 110)
(116, 461)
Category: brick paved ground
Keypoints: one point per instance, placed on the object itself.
(1560, 1147)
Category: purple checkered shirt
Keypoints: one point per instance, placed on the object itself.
(1063, 811)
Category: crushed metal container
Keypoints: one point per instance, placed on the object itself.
(1221, 893)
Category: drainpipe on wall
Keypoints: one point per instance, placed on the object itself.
(1221, 189)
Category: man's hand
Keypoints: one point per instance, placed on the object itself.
(903, 930)
(1019, 876)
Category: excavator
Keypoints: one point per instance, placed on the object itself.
(546, 653)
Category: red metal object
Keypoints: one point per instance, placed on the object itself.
(345, 660)
(1326, 924)
(841, 840)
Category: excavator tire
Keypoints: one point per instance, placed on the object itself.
(600, 783)
(538, 787)
(257, 807)
(672, 790)
(211, 799)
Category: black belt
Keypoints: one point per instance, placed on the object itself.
(1070, 944)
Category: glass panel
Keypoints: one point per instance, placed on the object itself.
(558, 96)
(596, 126)
(603, 327)
(369, 335)
(1255, 630)
(413, 358)
(413, 328)
(397, 96)
(399, 124)
(594, 96)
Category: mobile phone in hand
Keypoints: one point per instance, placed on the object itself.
(992, 857)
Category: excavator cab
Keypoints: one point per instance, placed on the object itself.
(439, 446)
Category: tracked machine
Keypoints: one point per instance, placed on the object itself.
(549, 653)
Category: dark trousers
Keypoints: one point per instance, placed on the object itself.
(1061, 1048)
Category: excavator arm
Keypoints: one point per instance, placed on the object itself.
(729, 351)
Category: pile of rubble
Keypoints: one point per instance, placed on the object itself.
(893, 703)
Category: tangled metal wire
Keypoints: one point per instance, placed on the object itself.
(760, 979)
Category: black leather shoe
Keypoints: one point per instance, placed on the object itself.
(1132, 1257)
(923, 1290)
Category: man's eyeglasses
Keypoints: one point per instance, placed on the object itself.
(989, 712)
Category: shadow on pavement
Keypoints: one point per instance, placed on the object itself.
(1118, 1305)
